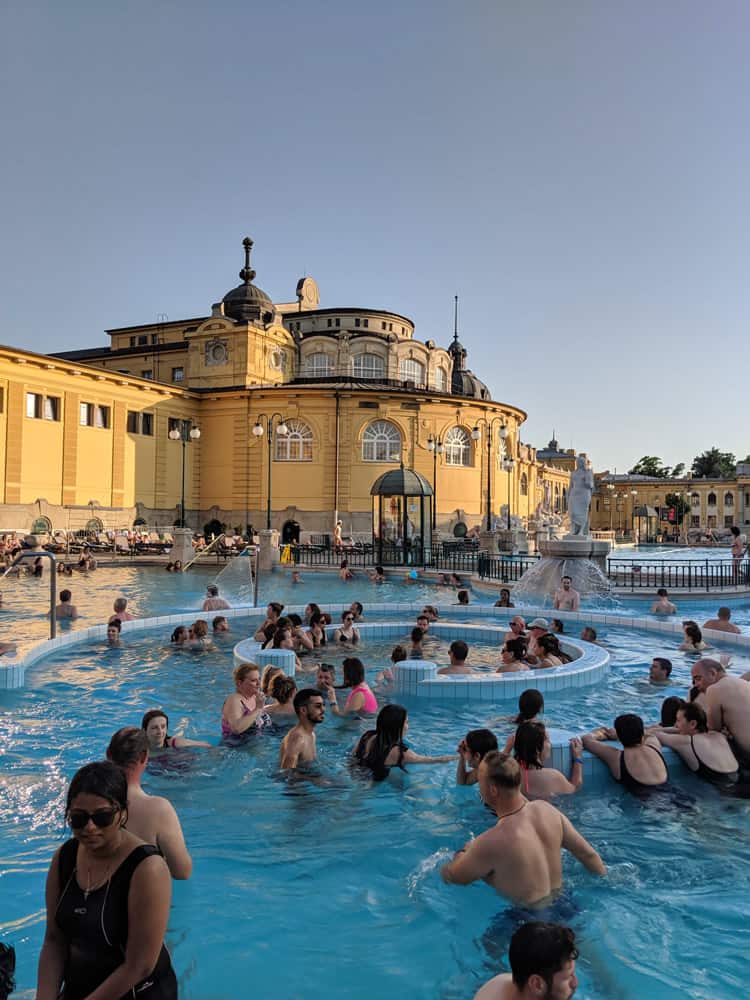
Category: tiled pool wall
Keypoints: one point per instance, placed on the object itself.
(12, 672)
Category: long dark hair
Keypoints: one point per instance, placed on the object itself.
(528, 746)
(530, 703)
(373, 748)
(353, 670)
(155, 713)
(101, 778)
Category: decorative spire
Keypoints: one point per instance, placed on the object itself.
(455, 318)
(247, 274)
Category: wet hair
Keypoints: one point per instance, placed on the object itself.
(302, 698)
(463, 597)
(277, 608)
(669, 709)
(389, 729)
(177, 632)
(357, 608)
(345, 615)
(550, 644)
(241, 671)
(694, 713)
(102, 778)
(481, 741)
(693, 633)
(629, 729)
(502, 770)
(353, 670)
(212, 590)
(314, 609)
(664, 663)
(566, 576)
(127, 746)
(398, 653)
(215, 622)
(540, 949)
(65, 595)
(528, 745)
(661, 592)
(459, 649)
(721, 613)
(279, 634)
(115, 623)
(557, 626)
(504, 590)
(120, 604)
(282, 688)
(155, 713)
(344, 564)
(517, 647)
(417, 635)
(590, 630)
(530, 704)
(693, 694)
(735, 530)
(379, 570)
(327, 668)
(317, 618)
(430, 609)
(200, 629)
(269, 675)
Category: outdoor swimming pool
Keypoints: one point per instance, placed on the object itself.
(293, 878)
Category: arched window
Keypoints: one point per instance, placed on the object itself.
(94, 524)
(711, 501)
(729, 499)
(368, 366)
(695, 499)
(524, 485)
(412, 371)
(381, 442)
(296, 445)
(441, 380)
(457, 447)
(318, 365)
(41, 526)
(557, 498)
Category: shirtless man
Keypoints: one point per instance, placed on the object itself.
(273, 613)
(660, 670)
(121, 612)
(65, 609)
(213, 602)
(150, 817)
(567, 599)
(458, 651)
(722, 623)
(727, 705)
(298, 746)
(517, 627)
(662, 605)
(537, 628)
(542, 959)
(520, 857)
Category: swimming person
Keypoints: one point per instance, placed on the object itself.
(299, 744)
(471, 752)
(150, 817)
(180, 636)
(383, 747)
(707, 754)
(96, 882)
(244, 710)
(639, 766)
(361, 697)
(542, 959)
(521, 856)
(531, 747)
(155, 725)
(693, 641)
(662, 605)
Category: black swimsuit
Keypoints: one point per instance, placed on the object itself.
(708, 773)
(365, 756)
(96, 930)
(633, 784)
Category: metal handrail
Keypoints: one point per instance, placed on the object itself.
(203, 552)
(32, 554)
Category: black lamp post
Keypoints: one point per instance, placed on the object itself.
(283, 430)
(435, 445)
(184, 431)
(476, 434)
(509, 465)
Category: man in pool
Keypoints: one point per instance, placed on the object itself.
(517, 628)
(662, 605)
(727, 705)
(567, 599)
(458, 651)
(660, 670)
(113, 632)
(121, 612)
(220, 624)
(326, 677)
(521, 856)
(722, 622)
(299, 744)
(542, 959)
(65, 609)
(213, 602)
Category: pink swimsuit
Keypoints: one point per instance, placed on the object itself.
(370, 703)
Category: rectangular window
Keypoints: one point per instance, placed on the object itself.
(101, 416)
(154, 338)
(390, 327)
(142, 339)
(330, 322)
(356, 322)
(51, 408)
(132, 422)
(178, 374)
(338, 322)
(132, 341)
(2, 400)
(147, 424)
(365, 322)
(383, 325)
(34, 405)
(695, 520)
(728, 520)
(147, 373)
(86, 417)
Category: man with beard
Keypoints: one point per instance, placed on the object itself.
(298, 746)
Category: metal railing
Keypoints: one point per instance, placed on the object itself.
(690, 574)
(452, 557)
(27, 557)
(508, 570)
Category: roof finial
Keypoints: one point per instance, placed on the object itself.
(247, 274)
(455, 318)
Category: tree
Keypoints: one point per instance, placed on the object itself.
(680, 504)
(714, 464)
(677, 471)
(650, 465)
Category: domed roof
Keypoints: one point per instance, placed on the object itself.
(246, 301)
(465, 383)
(401, 482)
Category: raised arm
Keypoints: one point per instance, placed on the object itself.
(580, 848)
(610, 755)
(233, 712)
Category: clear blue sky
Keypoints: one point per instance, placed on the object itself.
(577, 172)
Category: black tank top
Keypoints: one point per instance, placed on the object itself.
(96, 930)
(633, 784)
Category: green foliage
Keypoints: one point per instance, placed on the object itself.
(714, 464)
(677, 471)
(650, 465)
(680, 503)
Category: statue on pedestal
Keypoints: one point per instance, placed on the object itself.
(580, 490)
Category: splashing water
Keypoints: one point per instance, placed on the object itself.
(235, 581)
(538, 584)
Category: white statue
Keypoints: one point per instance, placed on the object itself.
(580, 489)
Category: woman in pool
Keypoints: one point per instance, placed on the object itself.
(382, 748)
(155, 724)
(244, 710)
(505, 601)
(386, 675)
(180, 636)
(639, 766)
(269, 675)
(345, 573)
(317, 630)
(471, 751)
(361, 699)
(283, 690)
(310, 610)
(552, 655)
(199, 638)
(346, 632)
(556, 626)
(463, 597)
(301, 639)
(531, 747)
(707, 754)
(513, 656)
(530, 707)
(693, 641)
(416, 652)
(97, 882)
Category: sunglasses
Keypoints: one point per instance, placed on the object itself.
(348, 619)
(78, 818)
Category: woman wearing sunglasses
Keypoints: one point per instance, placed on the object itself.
(108, 897)
(346, 632)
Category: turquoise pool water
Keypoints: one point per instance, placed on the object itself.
(331, 889)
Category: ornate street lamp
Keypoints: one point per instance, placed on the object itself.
(435, 445)
(476, 435)
(283, 430)
(186, 432)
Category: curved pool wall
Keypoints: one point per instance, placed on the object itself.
(12, 672)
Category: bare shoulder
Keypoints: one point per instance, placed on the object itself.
(496, 989)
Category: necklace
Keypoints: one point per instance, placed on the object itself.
(513, 812)
(97, 883)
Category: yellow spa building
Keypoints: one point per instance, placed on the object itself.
(344, 393)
